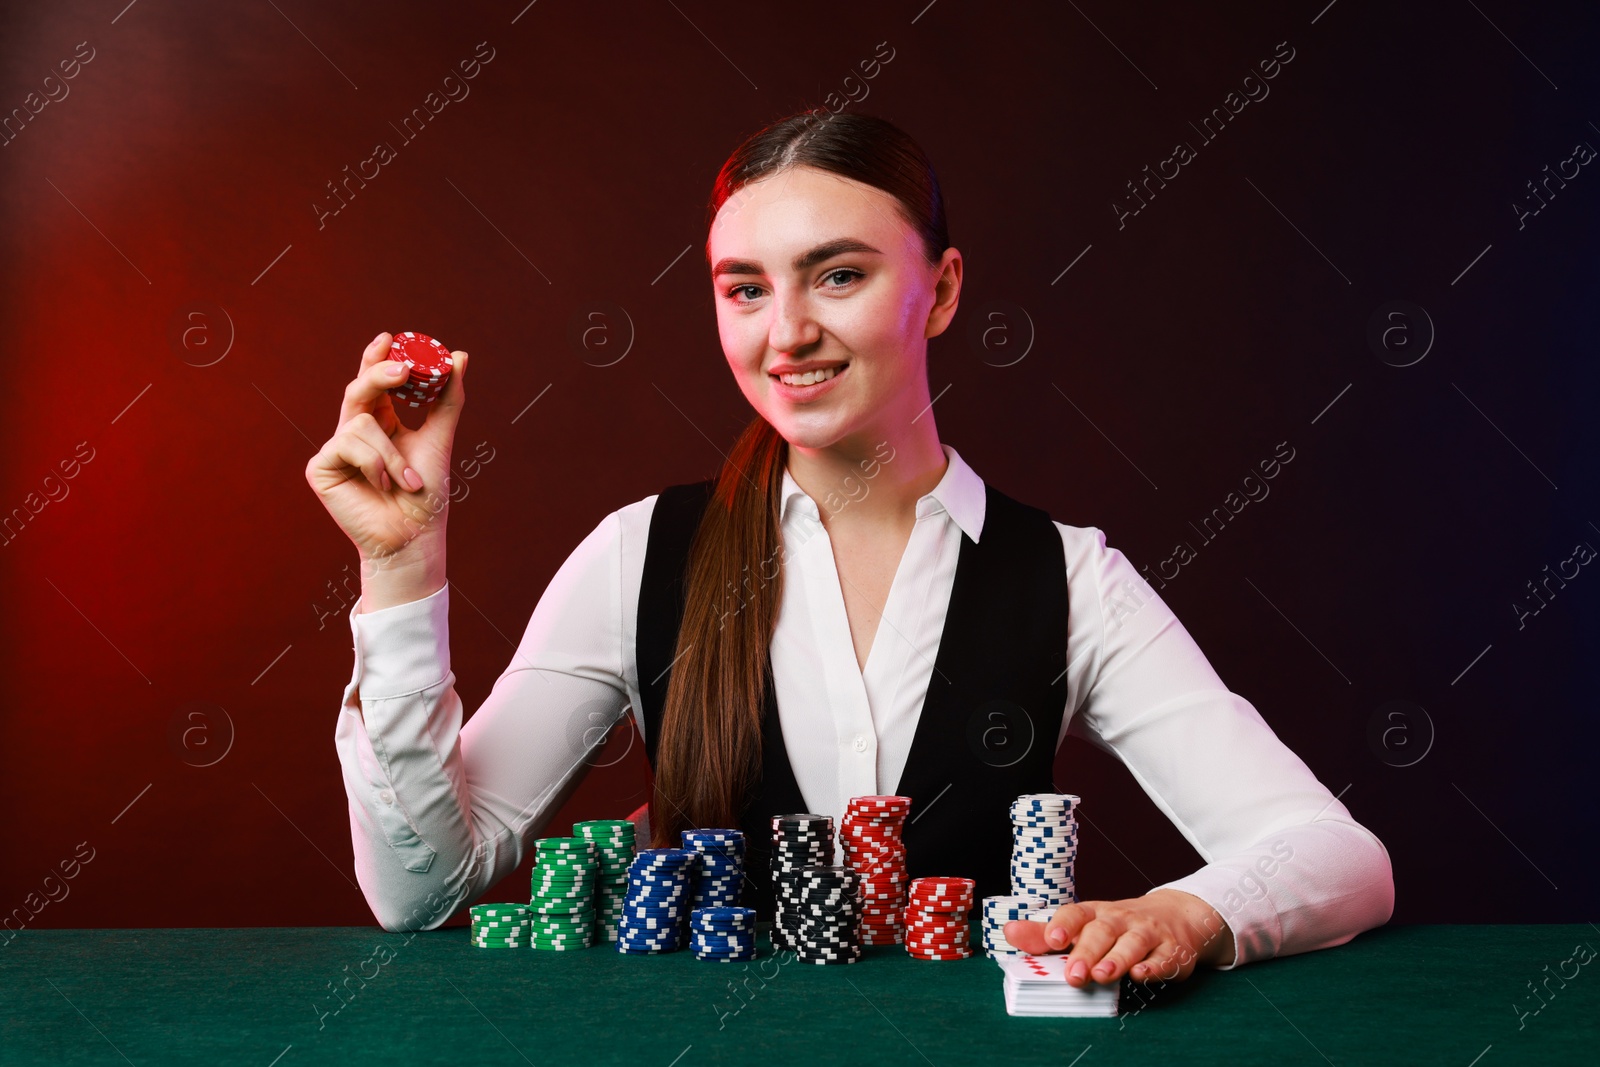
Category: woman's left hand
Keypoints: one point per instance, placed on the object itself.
(1161, 935)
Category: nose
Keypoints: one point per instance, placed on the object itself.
(793, 326)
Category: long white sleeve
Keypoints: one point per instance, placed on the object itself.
(1286, 866)
(440, 812)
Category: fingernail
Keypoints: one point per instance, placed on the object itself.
(413, 479)
(1078, 970)
(1057, 937)
(394, 369)
(1102, 969)
(377, 338)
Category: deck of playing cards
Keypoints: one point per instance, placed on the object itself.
(1037, 985)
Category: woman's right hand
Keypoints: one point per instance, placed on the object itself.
(387, 486)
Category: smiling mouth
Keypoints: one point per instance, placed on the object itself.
(816, 377)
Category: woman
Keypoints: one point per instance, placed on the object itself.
(846, 609)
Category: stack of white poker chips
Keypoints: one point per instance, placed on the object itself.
(997, 911)
(1044, 847)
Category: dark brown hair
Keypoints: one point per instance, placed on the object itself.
(708, 756)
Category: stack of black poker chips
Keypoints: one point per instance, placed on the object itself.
(798, 842)
(830, 906)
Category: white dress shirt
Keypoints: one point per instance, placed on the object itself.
(445, 809)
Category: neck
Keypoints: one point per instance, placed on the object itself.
(872, 479)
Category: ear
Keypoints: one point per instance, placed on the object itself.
(946, 293)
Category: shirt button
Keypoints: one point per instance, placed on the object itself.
(386, 796)
(861, 743)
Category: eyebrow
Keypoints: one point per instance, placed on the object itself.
(803, 262)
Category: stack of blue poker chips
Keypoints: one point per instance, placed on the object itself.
(657, 902)
(720, 879)
(997, 911)
(727, 935)
(1044, 847)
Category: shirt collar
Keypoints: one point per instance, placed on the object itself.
(960, 494)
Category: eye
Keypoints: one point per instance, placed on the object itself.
(733, 292)
(850, 273)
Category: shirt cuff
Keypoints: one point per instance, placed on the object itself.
(402, 649)
(1251, 917)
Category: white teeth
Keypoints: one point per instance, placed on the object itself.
(810, 377)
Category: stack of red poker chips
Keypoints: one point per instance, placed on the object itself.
(430, 365)
(936, 918)
(872, 846)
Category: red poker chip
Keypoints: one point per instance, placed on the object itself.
(950, 937)
(945, 884)
(925, 892)
(915, 933)
(964, 954)
(868, 846)
(937, 906)
(422, 352)
(429, 363)
(890, 803)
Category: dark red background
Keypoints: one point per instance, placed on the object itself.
(189, 552)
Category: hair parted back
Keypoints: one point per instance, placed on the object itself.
(708, 755)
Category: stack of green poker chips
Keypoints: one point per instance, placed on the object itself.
(502, 925)
(563, 894)
(614, 844)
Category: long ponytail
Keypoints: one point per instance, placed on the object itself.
(709, 752)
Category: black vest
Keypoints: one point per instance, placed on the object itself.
(988, 727)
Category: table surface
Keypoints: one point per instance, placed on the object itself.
(1458, 995)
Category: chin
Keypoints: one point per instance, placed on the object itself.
(807, 432)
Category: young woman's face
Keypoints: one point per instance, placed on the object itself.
(814, 269)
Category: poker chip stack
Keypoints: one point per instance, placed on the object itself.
(1044, 847)
(653, 914)
(936, 918)
(798, 841)
(613, 841)
(997, 911)
(720, 879)
(430, 365)
(873, 847)
(563, 893)
(502, 925)
(827, 929)
(727, 935)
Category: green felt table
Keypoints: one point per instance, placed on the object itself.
(1424, 995)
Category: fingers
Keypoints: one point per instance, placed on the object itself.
(1166, 962)
(1063, 929)
(1130, 947)
(368, 391)
(446, 411)
(361, 444)
(377, 349)
(366, 429)
(1093, 942)
(1041, 938)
